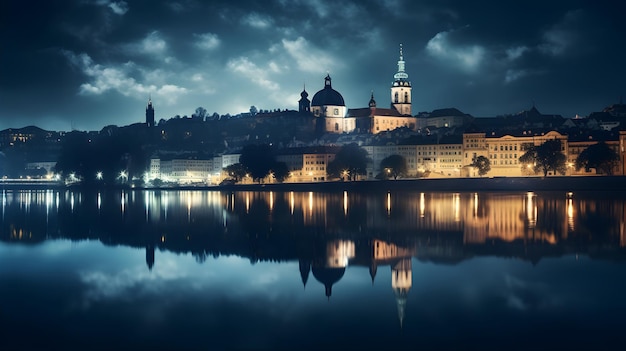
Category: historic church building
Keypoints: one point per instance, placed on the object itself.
(329, 108)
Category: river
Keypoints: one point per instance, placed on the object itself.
(188, 270)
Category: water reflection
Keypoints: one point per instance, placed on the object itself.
(463, 218)
(335, 238)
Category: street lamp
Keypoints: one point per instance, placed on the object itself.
(99, 175)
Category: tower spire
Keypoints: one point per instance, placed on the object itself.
(401, 75)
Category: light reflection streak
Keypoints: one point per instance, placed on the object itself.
(4, 202)
(247, 202)
(531, 210)
(188, 207)
(310, 203)
(456, 203)
(99, 201)
(49, 203)
(422, 205)
(271, 201)
(570, 214)
(146, 201)
(123, 200)
(165, 201)
(345, 203)
(292, 201)
(388, 203)
(475, 204)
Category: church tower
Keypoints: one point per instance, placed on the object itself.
(401, 89)
(401, 282)
(304, 105)
(150, 114)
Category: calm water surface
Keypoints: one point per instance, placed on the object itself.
(298, 270)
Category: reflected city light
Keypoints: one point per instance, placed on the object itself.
(456, 203)
(475, 204)
(271, 201)
(123, 202)
(4, 202)
(422, 205)
(247, 202)
(523, 217)
(531, 211)
(570, 214)
(146, 201)
(188, 207)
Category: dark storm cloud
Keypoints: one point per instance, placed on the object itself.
(93, 63)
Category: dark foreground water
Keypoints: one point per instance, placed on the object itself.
(180, 270)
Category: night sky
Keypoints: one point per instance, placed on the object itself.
(85, 64)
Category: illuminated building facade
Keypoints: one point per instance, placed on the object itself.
(439, 159)
(504, 151)
(307, 164)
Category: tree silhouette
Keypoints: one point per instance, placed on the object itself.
(599, 156)
(280, 170)
(236, 171)
(545, 158)
(350, 161)
(481, 163)
(394, 165)
(200, 113)
(258, 159)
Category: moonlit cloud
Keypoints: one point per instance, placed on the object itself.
(248, 69)
(467, 58)
(562, 36)
(516, 52)
(513, 75)
(116, 78)
(256, 20)
(207, 41)
(153, 44)
(118, 7)
(309, 58)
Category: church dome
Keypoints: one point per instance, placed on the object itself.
(328, 277)
(327, 96)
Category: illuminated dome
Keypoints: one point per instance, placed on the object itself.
(327, 96)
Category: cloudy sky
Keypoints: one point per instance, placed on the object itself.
(85, 64)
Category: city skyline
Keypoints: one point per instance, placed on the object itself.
(87, 64)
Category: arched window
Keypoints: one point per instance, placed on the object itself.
(395, 97)
(406, 97)
(336, 127)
